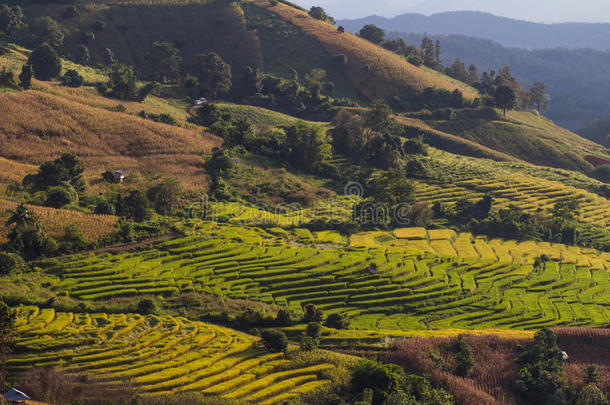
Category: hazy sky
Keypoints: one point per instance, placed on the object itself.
(532, 10)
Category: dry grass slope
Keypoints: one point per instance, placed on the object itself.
(389, 74)
(54, 221)
(36, 126)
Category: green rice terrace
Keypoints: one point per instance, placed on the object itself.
(161, 354)
(409, 279)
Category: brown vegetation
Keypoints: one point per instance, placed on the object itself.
(495, 368)
(55, 221)
(36, 127)
(387, 74)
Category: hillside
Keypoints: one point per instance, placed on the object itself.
(575, 78)
(285, 234)
(388, 74)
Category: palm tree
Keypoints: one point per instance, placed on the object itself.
(22, 217)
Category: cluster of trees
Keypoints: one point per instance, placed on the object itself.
(301, 145)
(479, 217)
(500, 89)
(541, 378)
(382, 383)
(61, 181)
(163, 197)
(28, 239)
(309, 97)
(319, 14)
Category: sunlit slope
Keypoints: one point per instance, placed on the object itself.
(374, 71)
(160, 355)
(411, 279)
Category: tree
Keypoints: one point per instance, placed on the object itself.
(7, 78)
(319, 14)
(46, 30)
(458, 71)
(536, 96)
(252, 82)
(219, 164)
(465, 362)
(415, 146)
(214, 74)
(312, 314)
(306, 147)
(383, 379)
(8, 328)
(592, 374)
(429, 53)
(66, 170)
(122, 83)
(372, 33)
(391, 187)
(541, 379)
(134, 206)
(283, 318)
(72, 79)
(58, 196)
(146, 307)
(313, 330)
(10, 263)
(164, 61)
(165, 196)
(25, 77)
(336, 321)
(108, 56)
(82, 55)
(275, 340)
(11, 18)
(104, 208)
(45, 62)
(505, 98)
(27, 235)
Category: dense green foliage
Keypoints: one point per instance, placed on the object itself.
(45, 62)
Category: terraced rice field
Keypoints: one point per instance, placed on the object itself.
(160, 355)
(397, 284)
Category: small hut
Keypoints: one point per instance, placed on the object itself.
(14, 396)
(119, 176)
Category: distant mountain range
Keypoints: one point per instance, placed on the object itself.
(506, 31)
(577, 79)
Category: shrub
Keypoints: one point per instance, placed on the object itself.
(313, 330)
(10, 263)
(283, 318)
(465, 362)
(72, 79)
(337, 321)
(7, 78)
(146, 307)
(415, 147)
(59, 196)
(46, 30)
(104, 208)
(45, 62)
(25, 77)
(308, 343)
(275, 340)
(165, 196)
(383, 379)
(312, 314)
